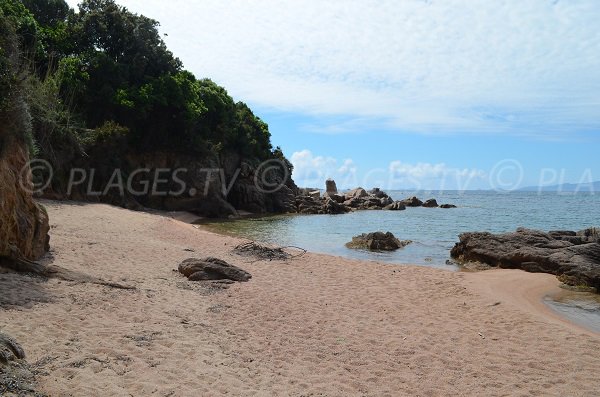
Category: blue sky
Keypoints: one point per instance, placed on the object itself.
(407, 94)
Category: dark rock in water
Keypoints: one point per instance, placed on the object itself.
(396, 206)
(431, 203)
(447, 206)
(574, 259)
(377, 241)
(412, 202)
(212, 269)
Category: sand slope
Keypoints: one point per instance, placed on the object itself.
(316, 326)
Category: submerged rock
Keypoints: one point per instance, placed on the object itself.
(447, 206)
(573, 257)
(377, 241)
(212, 269)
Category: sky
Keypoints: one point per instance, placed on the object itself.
(419, 94)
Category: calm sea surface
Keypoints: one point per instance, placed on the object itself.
(433, 230)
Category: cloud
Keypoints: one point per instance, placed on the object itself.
(433, 176)
(312, 171)
(348, 168)
(524, 67)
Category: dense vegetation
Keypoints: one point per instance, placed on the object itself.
(103, 74)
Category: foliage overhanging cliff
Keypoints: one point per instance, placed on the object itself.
(103, 91)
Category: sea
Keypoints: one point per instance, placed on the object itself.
(433, 231)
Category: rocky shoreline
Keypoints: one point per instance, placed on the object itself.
(574, 257)
(309, 201)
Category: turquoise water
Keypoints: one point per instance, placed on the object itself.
(433, 230)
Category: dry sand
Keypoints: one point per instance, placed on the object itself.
(314, 326)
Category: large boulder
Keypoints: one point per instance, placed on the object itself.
(359, 192)
(212, 269)
(412, 202)
(24, 223)
(395, 206)
(574, 257)
(332, 207)
(330, 187)
(431, 203)
(377, 241)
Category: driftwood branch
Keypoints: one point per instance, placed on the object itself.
(262, 252)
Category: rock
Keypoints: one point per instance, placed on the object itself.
(447, 206)
(412, 202)
(359, 192)
(333, 207)
(335, 197)
(431, 203)
(575, 262)
(10, 350)
(24, 223)
(396, 206)
(377, 241)
(316, 194)
(16, 376)
(330, 187)
(212, 269)
(385, 201)
(377, 193)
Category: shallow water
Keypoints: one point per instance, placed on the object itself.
(433, 230)
(580, 307)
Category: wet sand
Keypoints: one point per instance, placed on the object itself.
(314, 326)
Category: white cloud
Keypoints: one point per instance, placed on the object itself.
(433, 176)
(528, 67)
(312, 171)
(348, 168)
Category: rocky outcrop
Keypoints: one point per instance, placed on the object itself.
(355, 200)
(212, 269)
(215, 186)
(412, 202)
(377, 241)
(431, 203)
(395, 206)
(330, 187)
(23, 222)
(572, 256)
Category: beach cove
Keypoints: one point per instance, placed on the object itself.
(315, 325)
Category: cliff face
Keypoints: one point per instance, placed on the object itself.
(211, 185)
(23, 223)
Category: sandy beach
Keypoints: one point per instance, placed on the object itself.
(313, 326)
